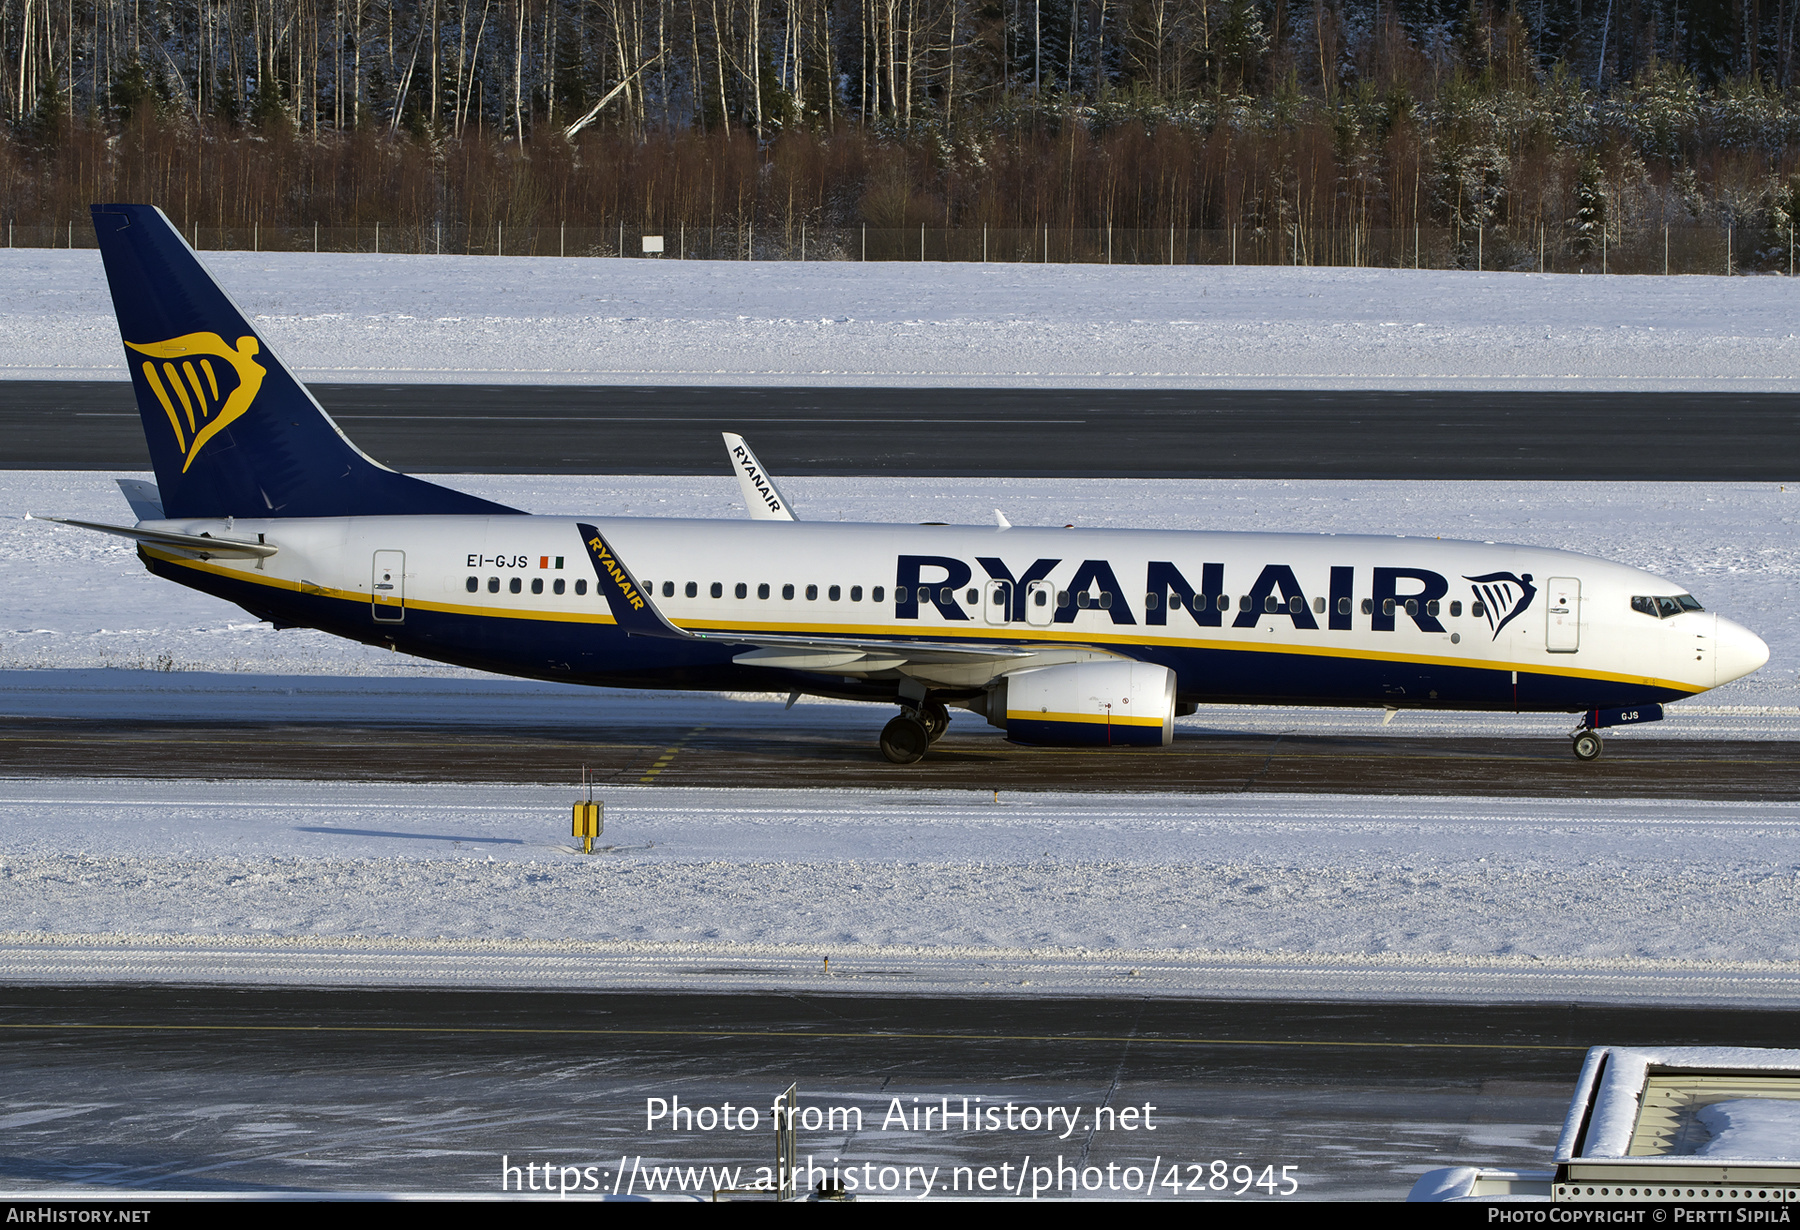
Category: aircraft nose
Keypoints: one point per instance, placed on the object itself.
(1739, 651)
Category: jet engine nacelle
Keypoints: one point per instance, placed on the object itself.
(1087, 704)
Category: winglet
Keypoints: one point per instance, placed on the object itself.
(630, 602)
(760, 496)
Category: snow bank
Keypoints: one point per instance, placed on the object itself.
(349, 317)
(1469, 898)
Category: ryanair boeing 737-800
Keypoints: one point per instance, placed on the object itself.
(1061, 637)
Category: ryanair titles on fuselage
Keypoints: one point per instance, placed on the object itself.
(941, 582)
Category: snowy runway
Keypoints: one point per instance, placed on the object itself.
(309, 882)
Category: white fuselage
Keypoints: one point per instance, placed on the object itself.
(1307, 618)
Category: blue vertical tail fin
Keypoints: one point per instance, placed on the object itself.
(232, 432)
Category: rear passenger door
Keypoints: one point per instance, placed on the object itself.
(387, 587)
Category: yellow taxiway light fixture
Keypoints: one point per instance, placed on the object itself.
(590, 817)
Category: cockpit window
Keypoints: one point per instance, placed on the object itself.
(1664, 607)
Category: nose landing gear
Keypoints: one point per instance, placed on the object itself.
(1587, 745)
(906, 739)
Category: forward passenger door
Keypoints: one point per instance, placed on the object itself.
(1562, 613)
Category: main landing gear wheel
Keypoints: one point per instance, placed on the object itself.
(905, 739)
(1587, 745)
(936, 719)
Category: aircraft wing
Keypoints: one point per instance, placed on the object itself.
(953, 664)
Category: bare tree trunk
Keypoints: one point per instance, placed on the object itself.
(25, 64)
(893, 47)
(756, 61)
(950, 94)
(912, 14)
(699, 107)
(547, 62)
(831, 77)
(438, 74)
(1100, 55)
(519, 72)
(719, 47)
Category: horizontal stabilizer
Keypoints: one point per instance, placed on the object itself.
(205, 546)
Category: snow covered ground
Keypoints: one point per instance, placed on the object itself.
(348, 317)
(953, 892)
(76, 601)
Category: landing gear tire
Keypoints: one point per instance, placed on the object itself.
(1587, 745)
(905, 739)
(936, 719)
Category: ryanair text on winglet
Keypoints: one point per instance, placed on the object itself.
(755, 476)
(611, 567)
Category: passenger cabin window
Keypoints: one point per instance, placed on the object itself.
(834, 593)
(762, 591)
(581, 587)
(787, 593)
(876, 593)
(515, 585)
(537, 585)
(742, 590)
(558, 585)
(668, 589)
(1478, 609)
(1343, 606)
(718, 590)
(693, 589)
(493, 585)
(474, 584)
(1455, 610)
(856, 593)
(1318, 606)
(1368, 606)
(812, 593)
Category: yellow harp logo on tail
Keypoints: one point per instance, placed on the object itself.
(187, 383)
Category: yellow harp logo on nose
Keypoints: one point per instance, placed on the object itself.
(187, 384)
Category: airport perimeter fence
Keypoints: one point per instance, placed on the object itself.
(1654, 250)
